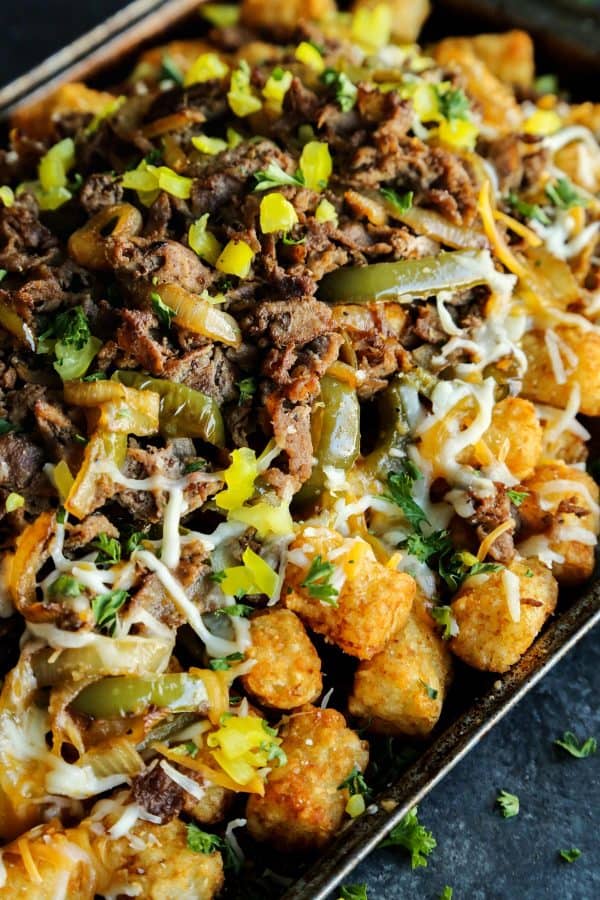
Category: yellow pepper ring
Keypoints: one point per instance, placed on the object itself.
(87, 245)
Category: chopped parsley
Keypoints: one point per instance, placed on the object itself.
(105, 608)
(6, 426)
(400, 492)
(569, 743)
(463, 565)
(274, 176)
(546, 84)
(202, 841)
(353, 892)
(222, 663)
(318, 581)
(453, 103)
(3, 274)
(431, 692)
(71, 328)
(563, 195)
(570, 855)
(109, 549)
(442, 615)
(508, 803)
(273, 752)
(424, 547)
(446, 893)
(163, 312)
(527, 210)
(517, 497)
(401, 202)
(170, 69)
(133, 541)
(356, 784)
(414, 837)
(196, 465)
(247, 388)
(344, 90)
(218, 576)
(236, 609)
(64, 586)
(292, 242)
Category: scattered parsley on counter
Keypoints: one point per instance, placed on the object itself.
(508, 803)
(570, 855)
(353, 892)
(569, 743)
(414, 837)
(447, 893)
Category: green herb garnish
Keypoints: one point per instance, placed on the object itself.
(163, 312)
(105, 608)
(318, 581)
(508, 803)
(414, 837)
(570, 743)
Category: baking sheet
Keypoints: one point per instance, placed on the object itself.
(109, 45)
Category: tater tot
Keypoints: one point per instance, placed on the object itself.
(287, 672)
(268, 13)
(214, 804)
(37, 119)
(401, 689)
(303, 805)
(562, 507)
(408, 16)
(515, 435)
(488, 636)
(496, 99)
(85, 861)
(372, 603)
(539, 381)
(509, 56)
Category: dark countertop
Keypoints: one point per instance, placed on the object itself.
(480, 854)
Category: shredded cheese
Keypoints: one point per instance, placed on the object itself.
(484, 547)
(512, 591)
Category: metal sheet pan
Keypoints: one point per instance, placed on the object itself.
(102, 51)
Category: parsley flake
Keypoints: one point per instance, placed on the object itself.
(527, 210)
(453, 103)
(64, 586)
(517, 497)
(6, 426)
(570, 855)
(196, 465)
(563, 195)
(353, 892)
(170, 69)
(318, 581)
(414, 837)
(236, 609)
(163, 312)
(356, 784)
(401, 202)
(105, 608)
(217, 577)
(447, 893)
(274, 176)
(569, 743)
(247, 388)
(344, 90)
(431, 692)
(508, 803)
(202, 841)
(222, 663)
(442, 615)
(3, 274)
(109, 549)
(400, 492)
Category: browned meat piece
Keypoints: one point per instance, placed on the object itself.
(428, 326)
(20, 461)
(139, 336)
(291, 428)
(436, 176)
(140, 263)
(24, 241)
(489, 513)
(100, 190)
(56, 430)
(157, 793)
(83, 533)
(207, 369)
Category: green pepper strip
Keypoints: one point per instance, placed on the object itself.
(124, 695)
(407, 278)
(184, 412)
(392, 434)
(335, 427)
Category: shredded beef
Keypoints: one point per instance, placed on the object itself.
(20, 461)
(140, 263)
(24, 241)
(291, 429)
(83, 533)
(139, 336)
(489, 513)
(99, 191)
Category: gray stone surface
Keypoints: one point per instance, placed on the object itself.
(480, 854)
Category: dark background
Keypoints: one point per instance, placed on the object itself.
(480, 854)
